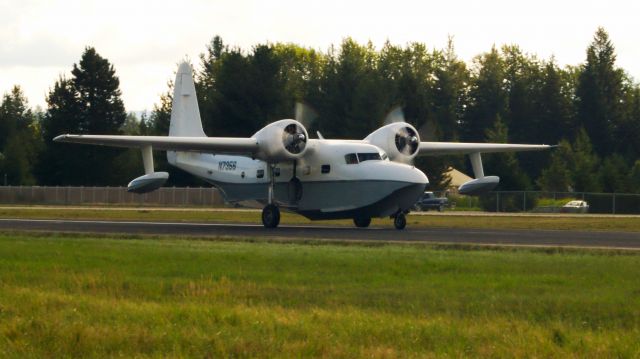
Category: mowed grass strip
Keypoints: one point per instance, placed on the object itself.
(585, 223)
(75, 296)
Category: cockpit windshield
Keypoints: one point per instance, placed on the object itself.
(354, 158)
(369, 156)
(351, 159)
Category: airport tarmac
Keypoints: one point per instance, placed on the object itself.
(509, 237)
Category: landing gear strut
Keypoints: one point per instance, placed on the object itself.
(271, 213)
(400, 221)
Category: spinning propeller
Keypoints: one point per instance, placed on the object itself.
(294, 138)
(407, 141)
(406, 138)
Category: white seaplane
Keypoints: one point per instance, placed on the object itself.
(281, 167)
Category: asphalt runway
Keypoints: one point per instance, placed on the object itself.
(543, 238)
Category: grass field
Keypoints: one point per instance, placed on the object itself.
(584, 223)
(77, 296)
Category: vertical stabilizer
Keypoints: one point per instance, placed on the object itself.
(185, 115)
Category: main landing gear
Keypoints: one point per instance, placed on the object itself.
(400, 220)
(271, 213)
(271, 216)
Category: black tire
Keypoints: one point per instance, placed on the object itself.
(400, 221)
(270, 216)
(362, 222)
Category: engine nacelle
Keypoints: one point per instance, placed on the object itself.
(399, 140)
(281, 141)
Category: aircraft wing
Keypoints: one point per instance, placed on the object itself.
(227, 145)
(461, 148)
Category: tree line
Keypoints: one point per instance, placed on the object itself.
(592, 110)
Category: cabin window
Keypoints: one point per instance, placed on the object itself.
(276, 172)
(260, 174)
(351, 158)
(325, 168)
(368, 156)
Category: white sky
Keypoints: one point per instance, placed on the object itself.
(39, 40)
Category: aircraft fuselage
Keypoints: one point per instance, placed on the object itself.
(336, 179)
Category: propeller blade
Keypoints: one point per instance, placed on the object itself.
(427, 131)
(403, 132)
(395, 115)
(305, 114)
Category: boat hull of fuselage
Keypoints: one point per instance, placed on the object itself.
(330, 199)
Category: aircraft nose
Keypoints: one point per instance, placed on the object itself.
(416, 181)
(412, 174)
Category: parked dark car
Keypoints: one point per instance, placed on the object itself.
(430, 201)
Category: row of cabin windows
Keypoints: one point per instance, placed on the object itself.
(355, 158)
(350, 159)
(276, 171)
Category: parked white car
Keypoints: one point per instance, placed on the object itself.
(575, 207)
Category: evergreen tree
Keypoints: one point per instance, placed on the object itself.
(450, 93)
(488, 97)
(634, 177)
(20, 139)
(160, 118)
(89, 102)
(505, 165)
(585, 164)
(15, 115)
(557, 177)
(555, 111)
(600, 93)
(352, 103)
(523, 82)
(614, 175)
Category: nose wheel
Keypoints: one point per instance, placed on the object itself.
(400, 221)
(271, 216)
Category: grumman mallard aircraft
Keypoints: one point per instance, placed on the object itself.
(281, 167)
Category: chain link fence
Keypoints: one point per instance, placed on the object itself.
(549, 202)
(165, 196)
(500, 201)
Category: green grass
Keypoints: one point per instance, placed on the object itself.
(584, 223)
(76, 296)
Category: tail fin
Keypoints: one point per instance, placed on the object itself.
(185, 115)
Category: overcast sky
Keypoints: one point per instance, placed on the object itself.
(39, 40)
